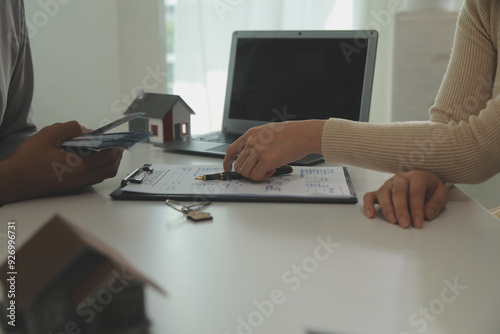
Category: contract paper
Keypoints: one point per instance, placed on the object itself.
(315, 182)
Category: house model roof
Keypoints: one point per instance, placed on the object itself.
(156, 105)
(50, 251)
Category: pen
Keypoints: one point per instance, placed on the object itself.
(225, 176)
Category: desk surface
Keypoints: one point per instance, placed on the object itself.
(285, 268)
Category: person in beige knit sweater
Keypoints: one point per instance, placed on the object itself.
(459, 144)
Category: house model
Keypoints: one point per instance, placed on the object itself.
(166, 116)
(70, 282)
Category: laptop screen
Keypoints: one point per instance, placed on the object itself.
(283, 75)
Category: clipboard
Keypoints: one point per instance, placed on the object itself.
(304, 185)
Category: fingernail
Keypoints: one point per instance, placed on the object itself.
(404, 222)
(418, 221)
(430, 213)
(369, 213)
(391, 218)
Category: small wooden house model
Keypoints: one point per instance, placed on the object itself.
(166, 116)
(69, 281)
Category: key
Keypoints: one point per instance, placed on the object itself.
(198, 216)
(192, 211)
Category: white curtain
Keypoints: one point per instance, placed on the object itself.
(203, 31)
(202, 40)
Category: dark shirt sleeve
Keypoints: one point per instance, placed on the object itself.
(16, 78)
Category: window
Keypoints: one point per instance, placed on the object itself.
(199, 36)
(154, 130)
(184, 129)
(169, 33)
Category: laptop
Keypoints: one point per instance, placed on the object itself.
(277, 76)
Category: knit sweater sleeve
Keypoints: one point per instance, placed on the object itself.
(461, 141)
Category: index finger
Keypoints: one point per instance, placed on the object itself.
(416, 197)
(399, 197)
(232, 151)
(62, 131)
(369, 201)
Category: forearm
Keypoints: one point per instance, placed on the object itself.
(9, 144)
(313, 130)
(461, 143)
(10, 191)
(457, 153)
(25, 176)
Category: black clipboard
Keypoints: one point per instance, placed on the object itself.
(119, 194)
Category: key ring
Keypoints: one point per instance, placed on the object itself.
(186, 209)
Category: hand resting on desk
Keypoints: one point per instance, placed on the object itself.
(40, 167)
(408, 198)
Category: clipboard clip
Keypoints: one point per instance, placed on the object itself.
(138, 175)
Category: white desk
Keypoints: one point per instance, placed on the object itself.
(377, 281)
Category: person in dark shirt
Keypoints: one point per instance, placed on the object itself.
(33, 164)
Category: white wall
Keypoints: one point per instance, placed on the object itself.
(142, 49)
(90, 54)
(419, 62)
(379, 15)
(75, 54)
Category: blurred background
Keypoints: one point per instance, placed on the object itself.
(91, 57)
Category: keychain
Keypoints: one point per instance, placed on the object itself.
(192, 212)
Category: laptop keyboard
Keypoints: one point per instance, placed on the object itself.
(219, 137)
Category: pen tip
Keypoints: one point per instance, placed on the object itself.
(200, 178)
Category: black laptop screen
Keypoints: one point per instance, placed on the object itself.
(314, 78)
